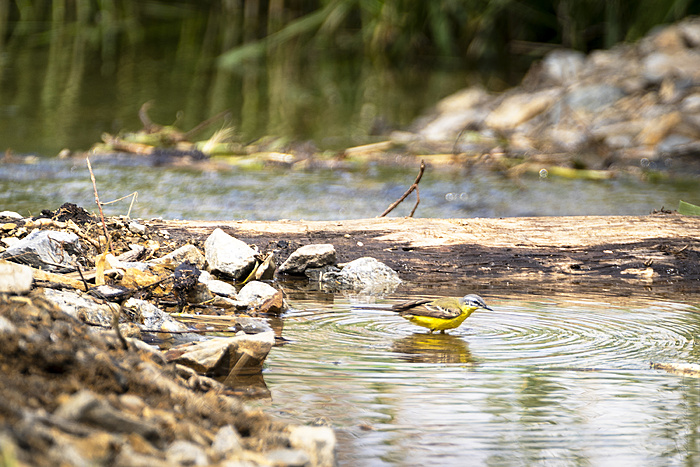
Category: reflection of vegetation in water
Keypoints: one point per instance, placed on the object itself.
(433, 348)
(72, 70)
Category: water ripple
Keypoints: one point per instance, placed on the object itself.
(570, 335)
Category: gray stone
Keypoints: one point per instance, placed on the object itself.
(288, 458)
(252, 325)
(366, 275)
(66, 454)
(137, 228)
(11, 214)
(86, 407)
(563, 66)
(317, 441)
(184, 253)
(226, 442)
(316, 274)
(228, 255)
(691, 103)
(659, 66)
(593, 98)
(183, 452)
(46, 249)
(257, 294)
(448, 125)
(15, 278)
(6, 326)
(216, 286)
(309, 256)
(219, 355)
(82, 307)
(150, 318)
(519, 108)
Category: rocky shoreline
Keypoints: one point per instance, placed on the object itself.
(100, 368)
(633, 108)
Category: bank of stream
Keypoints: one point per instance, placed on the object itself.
(588, 355)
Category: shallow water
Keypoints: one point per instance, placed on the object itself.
(209, 193)
(555, 381)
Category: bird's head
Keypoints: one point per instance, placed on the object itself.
(475, 301)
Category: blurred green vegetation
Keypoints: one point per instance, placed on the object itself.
(400, 31)
(297, 68)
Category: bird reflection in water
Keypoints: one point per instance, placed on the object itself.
(433, 348)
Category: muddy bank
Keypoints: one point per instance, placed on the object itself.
(621, 252)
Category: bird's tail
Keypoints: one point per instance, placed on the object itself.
(371, 306)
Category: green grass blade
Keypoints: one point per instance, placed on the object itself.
(688, 209)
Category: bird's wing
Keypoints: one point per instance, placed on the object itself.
(404, 306)
(428, 308)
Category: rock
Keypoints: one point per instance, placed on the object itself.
(261, 296)
(288, 458)
(135, 227)
(519, 108)
(691, 103)
(462, 100)
(227, 442)
(110, 292)
(316, 274)
(448, 125)
(658, 66)
(216, 286)
(251, 325)
(317, 441)
(657, 129)
(82, 307)
(48, 250)
(6, 326)
(135, 251)
(85, 407)
(15, 278)
(183, 452)
(228, 255)
(309, 256)
(563, 66)
(200, 293)
(184, 253)
(11, 214)
(593, 97)
(266, 269)
(217, 356)
(366, 275)
(153, 319)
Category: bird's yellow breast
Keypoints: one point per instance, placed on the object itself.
(440, 324)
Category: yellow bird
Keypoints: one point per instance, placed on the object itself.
(441, 314)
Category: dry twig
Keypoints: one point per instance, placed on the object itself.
(97, 200)
(408, 192)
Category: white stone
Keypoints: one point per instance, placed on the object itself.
(228, 255)
(15, 278)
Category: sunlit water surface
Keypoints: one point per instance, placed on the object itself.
(535, 382)
(225, 193)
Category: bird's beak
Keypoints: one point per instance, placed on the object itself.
(487, 308)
